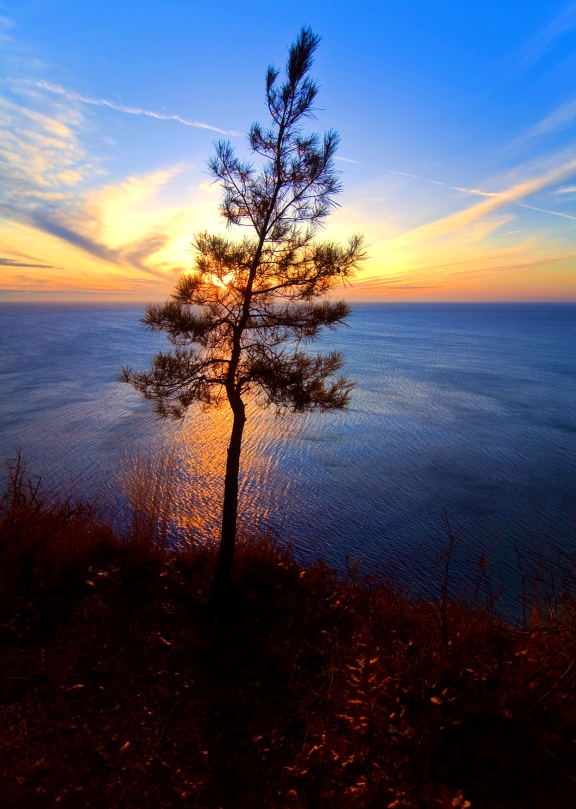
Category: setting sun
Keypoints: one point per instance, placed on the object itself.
(457, 161)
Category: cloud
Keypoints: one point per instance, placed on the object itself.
(131, 191)
(212, 187)
(474, 191)
(495, 261)
(42, 161)
(45, 172)
(561, 117)
(141, 250)
(6, 24)
(125, 216)
(133, 254)
(375, 283)
(10, 262)
(404, 174)
(43, 221)
(41, 157)
(31, 281)
(493, 194)
(502, 270)
(563, 23)
(545, 210)
(103, 102)
(513, 195)
(348, 160)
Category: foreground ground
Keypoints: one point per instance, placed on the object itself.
(121, 688)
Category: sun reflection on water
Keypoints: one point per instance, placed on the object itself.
(200, 445)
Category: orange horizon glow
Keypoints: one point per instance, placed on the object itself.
(464, 187)
(469, 263)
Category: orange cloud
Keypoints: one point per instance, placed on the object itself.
(461, 219)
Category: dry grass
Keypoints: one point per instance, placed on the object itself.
(122, 689)
(148, 483)
(42, 537)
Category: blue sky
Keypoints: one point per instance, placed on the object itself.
(457, 120)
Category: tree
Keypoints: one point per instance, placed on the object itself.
(238, 322)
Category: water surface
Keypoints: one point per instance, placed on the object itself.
(465, 413)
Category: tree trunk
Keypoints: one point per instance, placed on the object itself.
(221, 583)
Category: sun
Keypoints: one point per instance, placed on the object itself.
(222, 281)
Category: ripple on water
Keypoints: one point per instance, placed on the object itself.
(464, 411)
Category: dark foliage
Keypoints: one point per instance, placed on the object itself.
(119, 688)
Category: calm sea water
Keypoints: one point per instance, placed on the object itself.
(465, 413)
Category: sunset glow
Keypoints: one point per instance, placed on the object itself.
(457, 124)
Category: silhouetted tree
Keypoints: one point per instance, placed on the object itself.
(238, 322)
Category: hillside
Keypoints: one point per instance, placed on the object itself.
(121, 687)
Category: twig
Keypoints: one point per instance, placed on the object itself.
(549, 693)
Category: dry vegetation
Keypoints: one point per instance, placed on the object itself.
(120, 688)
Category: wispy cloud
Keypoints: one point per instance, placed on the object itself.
(103, 102)
(477, 192)
(138, 252)
(404, 174)
(10, 262)
(545, 210)
(348, 160)
(560, 118)
(474, 191)
(41, 157)
(563, 23)
(429, 272)
(87, 231)
(46, 172)
(513, 195)
(6, 24)
(42, 162)
(49, 224)
(417, 177)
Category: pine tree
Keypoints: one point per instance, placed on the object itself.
(239, 321)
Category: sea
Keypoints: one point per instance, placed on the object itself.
(462, 425)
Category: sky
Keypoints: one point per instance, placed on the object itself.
(457, 156)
